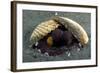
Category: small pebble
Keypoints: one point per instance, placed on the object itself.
(78, 49)
(56, 13)
(80, 45)
(46, 54)
(36, 43)
(39, 50)
(69, 54)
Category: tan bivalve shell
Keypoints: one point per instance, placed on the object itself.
(42, 30)
(47, 26)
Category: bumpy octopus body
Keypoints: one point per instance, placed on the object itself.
(60, 38)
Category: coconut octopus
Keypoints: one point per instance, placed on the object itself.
(56, 36)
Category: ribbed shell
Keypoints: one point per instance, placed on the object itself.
(43, 29)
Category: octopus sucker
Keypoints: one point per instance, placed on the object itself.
(58, 32)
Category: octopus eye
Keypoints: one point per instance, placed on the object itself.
(50, 41)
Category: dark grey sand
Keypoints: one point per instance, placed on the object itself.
(32, 18)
